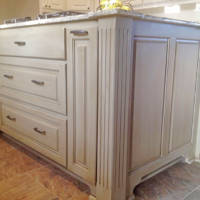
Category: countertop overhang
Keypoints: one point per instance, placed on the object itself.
(100, 14)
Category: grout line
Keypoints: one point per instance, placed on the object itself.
(196, 188)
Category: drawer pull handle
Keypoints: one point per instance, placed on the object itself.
(79, 32)
(40, 132)
(8, 76)
(38, 82)
(20, 43)
(11, 118)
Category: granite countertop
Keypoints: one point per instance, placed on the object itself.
(97, 15)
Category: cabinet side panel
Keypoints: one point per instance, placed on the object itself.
(150, 76)
(185, 72)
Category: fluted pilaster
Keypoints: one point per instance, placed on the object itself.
(115, 92)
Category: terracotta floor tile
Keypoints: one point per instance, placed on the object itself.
(24, 176)
(23, 187)
(53, 180)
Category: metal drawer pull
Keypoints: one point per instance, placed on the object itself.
(40, 132)
(79, 32)
(38, 82)
(8, 76)
(11, 118)
(20, 43)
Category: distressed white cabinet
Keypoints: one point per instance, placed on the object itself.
(82, 101)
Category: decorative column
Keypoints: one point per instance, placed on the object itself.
(115, 100)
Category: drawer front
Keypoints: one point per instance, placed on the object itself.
(39, 42)
(46, 135)
(40, 86)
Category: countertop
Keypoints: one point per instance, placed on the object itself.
(97, 15)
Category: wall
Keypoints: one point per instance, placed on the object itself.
(187, 13)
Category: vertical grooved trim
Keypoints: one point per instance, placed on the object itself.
(115, 89)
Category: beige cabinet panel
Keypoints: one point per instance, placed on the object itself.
(34, 42)
(53, 4)
(45, 134)
(150, 67)
(185, 77)
(82, 103)
(41, 84)
(80, 5)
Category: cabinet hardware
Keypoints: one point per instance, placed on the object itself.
(38, 82)
(79, 32)
(8, 76)
(40, 132)
(11, 118)
(20, 43)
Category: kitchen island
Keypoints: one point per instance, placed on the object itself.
(111, 97)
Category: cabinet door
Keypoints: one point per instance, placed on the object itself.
(81, 5)
(82, 102)
(53, 4)
(185, 77)
(149, 97)
(57, 4)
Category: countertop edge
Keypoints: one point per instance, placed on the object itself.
(100, 14)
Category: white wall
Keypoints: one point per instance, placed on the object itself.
(184, 15)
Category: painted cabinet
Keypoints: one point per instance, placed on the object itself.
(52, 5)
(152, 78)
(149, 94)
(82, 101)
(81, 5)
(184, 91)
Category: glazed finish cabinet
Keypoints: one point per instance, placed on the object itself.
(82, 102)
(48, 93)
(166, 97)
(111, 98)
(149, 141)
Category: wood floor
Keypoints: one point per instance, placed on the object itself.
(24, 176)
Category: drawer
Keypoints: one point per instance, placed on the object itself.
(40, 85)
(46, 135)
(39, 42)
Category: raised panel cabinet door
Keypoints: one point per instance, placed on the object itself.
(82, 102)
(184, 91)
(81, 5)
(57, 4)
(150, 63)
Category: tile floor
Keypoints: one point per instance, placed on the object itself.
(179, 182)
(24, 176)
